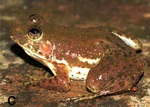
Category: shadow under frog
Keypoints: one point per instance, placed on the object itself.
(103, 57)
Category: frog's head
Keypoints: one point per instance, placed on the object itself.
(31, 38)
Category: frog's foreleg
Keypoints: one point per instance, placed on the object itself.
(60, 82)
(117, 71)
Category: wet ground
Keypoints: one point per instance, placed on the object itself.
(17, 70)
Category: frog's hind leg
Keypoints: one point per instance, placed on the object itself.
(118, 70)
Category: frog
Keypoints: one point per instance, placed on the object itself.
(104, 58)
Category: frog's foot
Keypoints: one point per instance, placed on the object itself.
(55, 84)
(60, 82)
(117, 71)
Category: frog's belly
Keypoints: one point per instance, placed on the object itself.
(75, 72)
(78, 73)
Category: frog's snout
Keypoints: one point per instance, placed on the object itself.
(13, 38)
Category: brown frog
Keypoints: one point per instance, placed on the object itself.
(103, 57)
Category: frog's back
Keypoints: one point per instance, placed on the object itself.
(82, 36)
(82, 41)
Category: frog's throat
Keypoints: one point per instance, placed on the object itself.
(130, 41)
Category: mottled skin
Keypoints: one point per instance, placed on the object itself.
(115, 66)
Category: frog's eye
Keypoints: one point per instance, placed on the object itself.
(34, 33)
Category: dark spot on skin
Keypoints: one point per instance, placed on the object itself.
(130, 52)
(112, 81)
(125, 55)
(53, 88)
(44, 81)
(138, 51)
(72, 75)
(101, 41)
(132, 77)
(131, 65)
(78, 73)
(111, 78)
(120, 74)
(121, 84)
(116, 65)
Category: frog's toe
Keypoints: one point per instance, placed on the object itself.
(54, 84)
(93, 88)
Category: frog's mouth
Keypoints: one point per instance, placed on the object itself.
(34, 55)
